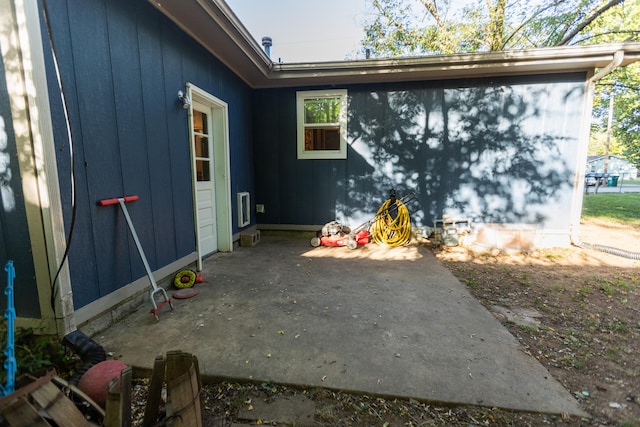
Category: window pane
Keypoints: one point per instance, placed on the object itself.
(322, 110)
(322, 139)
(200, 122)
(201, 146)
(321, 119)
(203, 170)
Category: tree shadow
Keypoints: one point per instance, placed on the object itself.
(498, 152)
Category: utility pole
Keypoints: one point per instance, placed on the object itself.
(609, 125)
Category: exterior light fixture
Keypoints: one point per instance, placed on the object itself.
(184, 100)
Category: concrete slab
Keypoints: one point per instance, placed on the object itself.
(375, 320)
(296, 410)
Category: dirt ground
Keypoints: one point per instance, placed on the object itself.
(577, 311)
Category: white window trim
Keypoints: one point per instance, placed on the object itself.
(322, 154)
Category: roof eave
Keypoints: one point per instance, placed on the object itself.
(214, 25)
(530, 61)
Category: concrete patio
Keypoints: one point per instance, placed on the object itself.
(375, 320)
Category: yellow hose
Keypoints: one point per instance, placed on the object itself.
(391, 231)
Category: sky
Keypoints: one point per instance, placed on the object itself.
(306, 30)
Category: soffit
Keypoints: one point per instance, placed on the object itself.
(214, 25)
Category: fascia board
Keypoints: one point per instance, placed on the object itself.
(531, 61)
(214, 25)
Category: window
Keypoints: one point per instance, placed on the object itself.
(201, 145)
(322, 124)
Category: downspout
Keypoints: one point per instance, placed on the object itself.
(618, 57)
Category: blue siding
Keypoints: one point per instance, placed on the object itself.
(122, 64)
(493, 150)
(14, 232)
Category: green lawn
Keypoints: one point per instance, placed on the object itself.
(621, 208)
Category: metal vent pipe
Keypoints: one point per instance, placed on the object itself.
(267, 42)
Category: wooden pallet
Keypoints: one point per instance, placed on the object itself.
(51, 401)
(47, 401)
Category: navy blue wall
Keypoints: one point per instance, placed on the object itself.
(492, 150)
(14, 233)
(122, 64)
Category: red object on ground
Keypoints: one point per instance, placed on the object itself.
(185, 293)
(351, 241)
(95, 381)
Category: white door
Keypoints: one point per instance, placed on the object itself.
(205, 187)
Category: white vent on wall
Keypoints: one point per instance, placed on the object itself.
(244, 211)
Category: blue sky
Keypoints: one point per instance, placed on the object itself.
(306, 30)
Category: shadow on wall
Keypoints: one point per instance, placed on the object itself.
(493, 154)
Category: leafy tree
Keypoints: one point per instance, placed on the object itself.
(418, 27)
(598, 141)
(427, 27)
(623, 83)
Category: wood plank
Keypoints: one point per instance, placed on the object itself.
(183, 406)
(76, 394)
(183, 390)
(113, 417)
(178, 363)
(118, 405)
(22, 414)
(25, 390)
(152, 408)
(62, 410)
(125, 395)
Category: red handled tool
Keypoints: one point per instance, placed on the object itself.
(156, 289)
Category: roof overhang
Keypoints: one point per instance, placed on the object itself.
(214, 25)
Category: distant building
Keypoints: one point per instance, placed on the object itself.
(617, 166)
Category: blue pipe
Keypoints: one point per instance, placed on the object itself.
(10, 364)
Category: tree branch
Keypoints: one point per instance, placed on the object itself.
(588, 21)
(433, 10)
(528, 21)
(634, 34)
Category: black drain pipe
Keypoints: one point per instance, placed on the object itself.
(90, 352)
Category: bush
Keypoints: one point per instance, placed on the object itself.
(36, 353)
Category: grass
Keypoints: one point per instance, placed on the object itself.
(621, 208)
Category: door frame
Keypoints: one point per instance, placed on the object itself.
(221, 168)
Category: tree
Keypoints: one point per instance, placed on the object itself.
(419, 27)
(623, 83)
(428, 27)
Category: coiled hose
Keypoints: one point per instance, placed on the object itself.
(90, 352)
(392, 224)
(609, 250)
